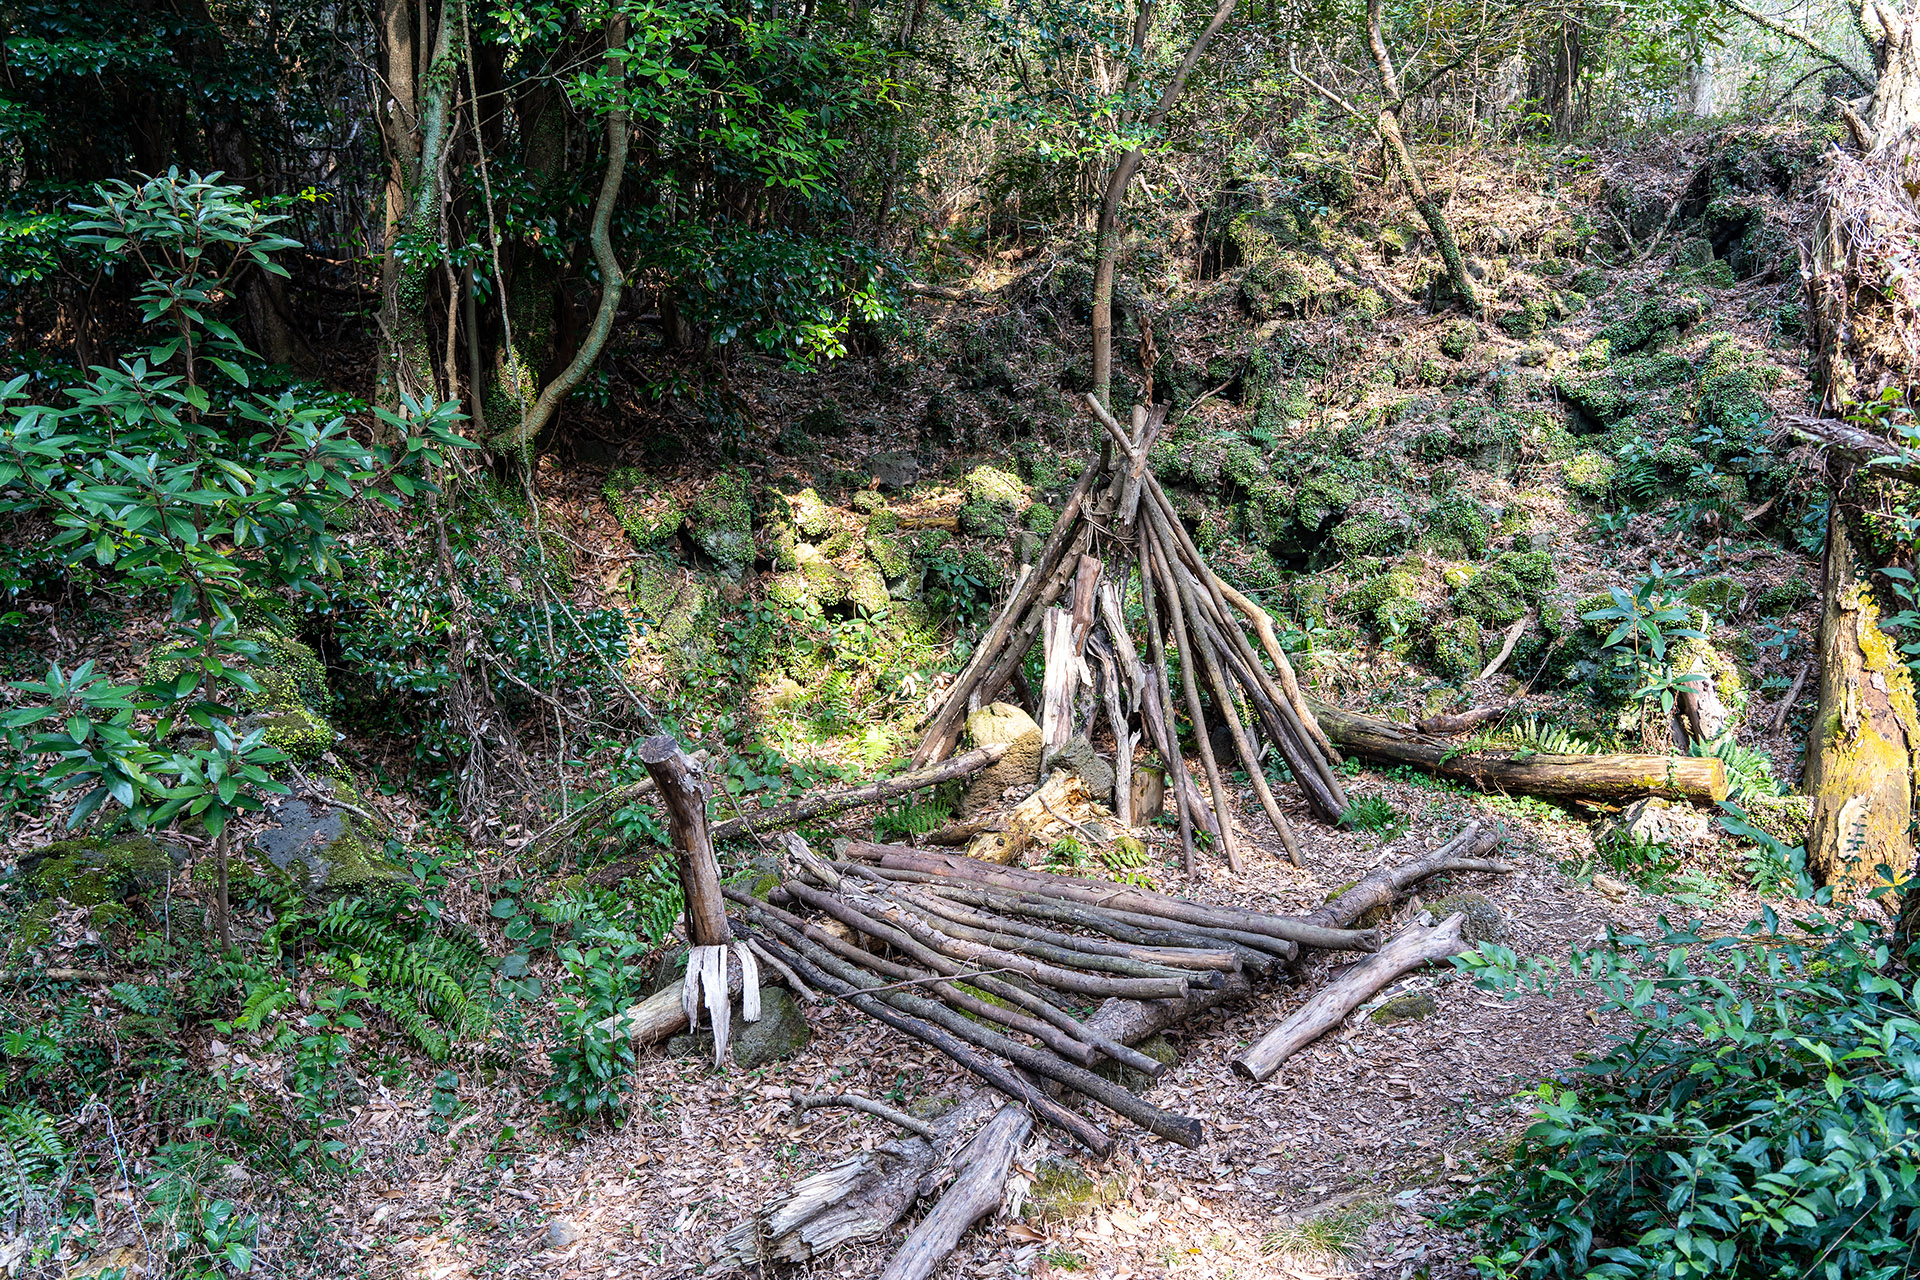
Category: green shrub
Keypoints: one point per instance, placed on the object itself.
(1762, 1120)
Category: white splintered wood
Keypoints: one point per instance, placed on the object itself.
(749, 983)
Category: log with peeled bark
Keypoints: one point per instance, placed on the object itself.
(1122, 897)
(1700, 779)
(1409, 949)
(979, 1186)
(787, 815)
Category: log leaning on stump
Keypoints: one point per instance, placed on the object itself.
(1700, 779)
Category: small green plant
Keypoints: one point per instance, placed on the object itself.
(1375, 814)
(605, 966)
(1066, 854)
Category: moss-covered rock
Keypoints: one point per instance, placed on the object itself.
(984, 520)
(1459, 339)
(1591, 282)
(1484, 921)
(825, 583)
(1588, 474)
(1732, 389)
(813, 518)
(1718, 594)
(1529, 320)
(1410, 1007)
(867, 586)
(993, 485)
(93, 871)
(675, 606)
(890, 554)
(646, 510)
(1457, 651)
(290, 701)
(1369, 534)
(1494, 597)
(1626, 387)
(1456, 528)
(1782, 599)
(320, 847)
(1655, 322)
(722, 523)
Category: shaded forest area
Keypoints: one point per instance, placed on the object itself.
(671, 637)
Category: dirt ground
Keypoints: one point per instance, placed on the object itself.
(1371, 1127)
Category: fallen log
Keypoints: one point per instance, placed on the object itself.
(1409, 949)
(1121, 897)
(785, 816)
(1454, 724)
(979, 1184)
(1700, 779)
(1857, 446)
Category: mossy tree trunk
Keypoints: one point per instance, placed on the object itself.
(418, 123)
(1861, 749)
(1860, 753)
(1388, 123)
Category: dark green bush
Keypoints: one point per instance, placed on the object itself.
(1762, 1121)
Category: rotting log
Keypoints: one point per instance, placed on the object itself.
(857, 1200)
(1409, 949)
(786, 815)
(686, 804)
(1122, 897)
(979, 1185)
(1700, 779)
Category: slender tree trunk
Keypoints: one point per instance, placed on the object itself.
(523, 433)
(415, 241)
(1388, 124)
(1108, 236)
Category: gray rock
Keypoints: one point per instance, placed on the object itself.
(1484, 921)
(1657, 821)
(1078, 755)
(561, 1234)
(781, 1032)
(323, 847)
(894, 470)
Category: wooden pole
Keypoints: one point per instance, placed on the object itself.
(686, 804)
(1170, 601)
(787, 815)
(1159, 716)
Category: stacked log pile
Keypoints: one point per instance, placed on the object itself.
(1118, 521)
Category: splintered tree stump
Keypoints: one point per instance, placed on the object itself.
(686, 804)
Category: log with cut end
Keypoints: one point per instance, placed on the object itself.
(787, 815)
(686, 803)
(1409, 949)
(979, 1184)
(1465, 852)
(1701, 779)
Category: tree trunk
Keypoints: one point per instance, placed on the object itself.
(1861, 749)
(419, 131)
(1113, 199)
(1388, 123)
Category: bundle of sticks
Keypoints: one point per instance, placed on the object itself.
(1117, 523)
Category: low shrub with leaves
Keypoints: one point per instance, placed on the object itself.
(1763, 1119)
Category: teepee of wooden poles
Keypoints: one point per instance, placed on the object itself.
(1117, 522)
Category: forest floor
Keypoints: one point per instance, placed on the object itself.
(1326, 1170)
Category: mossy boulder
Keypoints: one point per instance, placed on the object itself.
(1410, 1007)
(1655, 322)
(1456, 528)
(320, 847)
(1529, 320)
(867, 587)
(1588, 473)
(826, 584)
(290, 703)
(1625, 388)
(674, 605)
(1484, 921)
(990, 484)
(1493, 597)
(647, 511)
(1592, 282)
(1733, 387)
(1369, 534)
(1717, 595)
(721, 521)
(984, 520)
(782, 1031)
(991, 725)
(813, 518)
(1457, 652)
(1459, 339)
(1782, 599)
(94, 871)
(890, 555)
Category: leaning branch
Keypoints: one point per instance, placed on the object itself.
(1799, 37)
